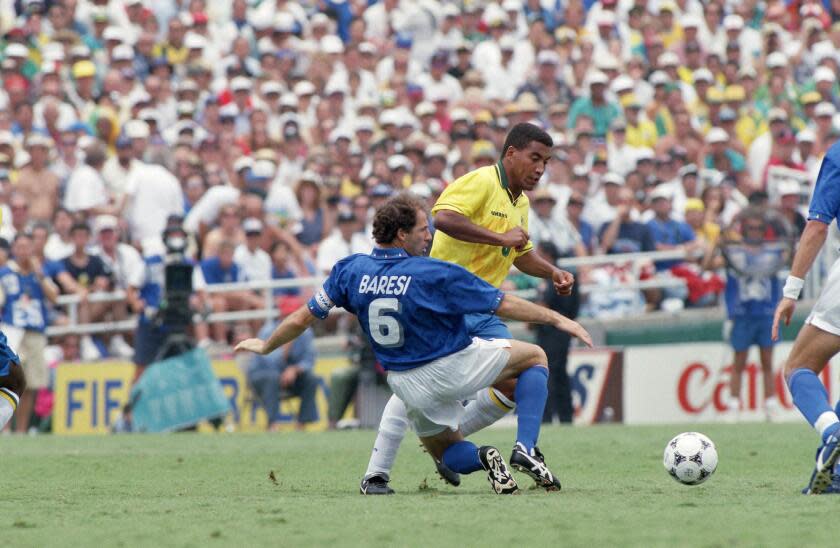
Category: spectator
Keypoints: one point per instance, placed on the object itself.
(229, 228)
(345, 240)
(286, 372)
(59, 244)
(253, 261)
(36, 182)
(86, 274)
(221, 269)
(668, 234)
(24, 293)
(313, 221)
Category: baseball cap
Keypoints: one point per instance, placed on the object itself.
(702, 75)
(612, 179)
(688, 169)
(660, 192)
(105, 222)
(694, 204)
(824, 74)
(777, 59)
(825, 109)
(252, 225)
(434, 150)
(542, 194)
(83, 69)
(240, 83)
(717, 135)
(806, 136)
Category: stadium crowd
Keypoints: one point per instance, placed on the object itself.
(269, 130)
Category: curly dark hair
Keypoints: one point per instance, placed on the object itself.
(399, 212)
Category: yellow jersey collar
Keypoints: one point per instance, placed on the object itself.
(503, 180)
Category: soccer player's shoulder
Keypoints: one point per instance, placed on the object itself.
(482, 175)
(833, 153)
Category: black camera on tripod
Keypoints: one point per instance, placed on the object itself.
(175, 313)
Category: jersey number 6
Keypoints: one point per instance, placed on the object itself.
(385, 330)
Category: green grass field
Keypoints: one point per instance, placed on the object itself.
(209, 490)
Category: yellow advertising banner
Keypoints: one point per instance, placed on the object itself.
(89, 397)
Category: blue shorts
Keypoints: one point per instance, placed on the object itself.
(486, 326)
(751, 330)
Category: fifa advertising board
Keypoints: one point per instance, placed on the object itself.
(686, 383)
(595, 376)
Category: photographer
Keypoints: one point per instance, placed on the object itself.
(160, 312)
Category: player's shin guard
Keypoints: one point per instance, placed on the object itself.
(811, 398)
(392, 428)
(8, 403)
(531, 393)
(462, 457)
(488, 407)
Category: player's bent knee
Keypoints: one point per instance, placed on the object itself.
(16, 380)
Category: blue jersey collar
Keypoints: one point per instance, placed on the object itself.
(388, 253)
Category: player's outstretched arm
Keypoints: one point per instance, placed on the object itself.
(289, 329)
(812, 240)
(534, 264)
(514, 308)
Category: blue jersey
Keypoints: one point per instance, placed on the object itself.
(755, 288)
(25, 304)
(411, 308)
(214, 273)
(7, 356)
(825, 203)
(154, 279)
(670, 232)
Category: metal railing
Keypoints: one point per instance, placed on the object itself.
(267, 287)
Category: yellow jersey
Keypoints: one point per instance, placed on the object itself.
(483, 197)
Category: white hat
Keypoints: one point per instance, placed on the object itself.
(806, 136)
(605, 18)
(240, 83)
(621, 83)
(332, 44)
(136, 129)
(364, 123)
(340, 133)
(289, 100)
(661, 191)
(669, 59)
(336, 85)
(271, 86)
(263, 169)
(79, 50)
(612, 178)
(717, 135)
(421, 190)
(424, 108)
(185, 107)
(388, 117)
(304, 88)
(112, 33)
(733, 21)
(702, 75)
(824, 74)
(319, 19)
(461, 115)
(607, 63)
(147, 114)
(283, 22)
(597, 77)
(37, 139)
(645, 153)
(105, 222)
(825, 109)
(777, 114)
(435, 150)
(243, 162)
(252, 225)
(123, 52)
(512, 5)
(16, 50)
(777, 59)
(398, 161)
(194, 41)
(509, 42)
(52, 51)
(659, 78)
(548, 56)
(689, 20)
(786, 187)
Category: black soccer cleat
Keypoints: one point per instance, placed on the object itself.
(533, 464)
(446, 474)
(375, 484)
(498, 474)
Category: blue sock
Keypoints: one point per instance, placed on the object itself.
(531, 393)
(462, 457)
(811, 398)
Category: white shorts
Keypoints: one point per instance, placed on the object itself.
(432, 393)
(826, 312)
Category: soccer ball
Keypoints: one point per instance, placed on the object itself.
(690, 458)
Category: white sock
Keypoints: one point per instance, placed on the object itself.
(488, 407)
(392, 428)
(8, 403)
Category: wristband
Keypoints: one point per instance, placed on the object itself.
(793, 286)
